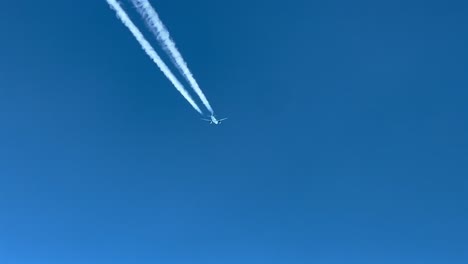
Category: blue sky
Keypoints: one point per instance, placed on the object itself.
(346, 140)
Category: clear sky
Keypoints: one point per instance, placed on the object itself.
(347, 138)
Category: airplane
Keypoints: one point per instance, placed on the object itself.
(213, 120)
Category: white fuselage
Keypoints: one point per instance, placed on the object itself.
(214, 120)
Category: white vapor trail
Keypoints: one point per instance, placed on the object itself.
(122, 15)
(162, 34)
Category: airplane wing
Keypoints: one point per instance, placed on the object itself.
(222, 119)
(206, 119)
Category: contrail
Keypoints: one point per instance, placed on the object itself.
(151, 52)
(162, 34)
